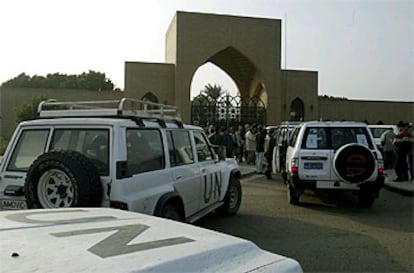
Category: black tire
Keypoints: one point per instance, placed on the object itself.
(354, 163)
(366, 198)
(63, 179)
(232, 200)
(170, 211)
(293, 194)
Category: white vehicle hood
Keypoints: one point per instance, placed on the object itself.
(108, 240)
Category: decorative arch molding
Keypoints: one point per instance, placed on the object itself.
(240, 68)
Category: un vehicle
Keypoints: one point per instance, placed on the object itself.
(109, 240)
(127, 154)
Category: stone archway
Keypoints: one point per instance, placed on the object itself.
(149, 96)
(247, 49)
(297, 110)
(249, 80)
(249, 107)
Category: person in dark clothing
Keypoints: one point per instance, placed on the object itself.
(403, 143)
(229, 141)
(217, 139)
(269, 146)
(239, 141)
(260, 146)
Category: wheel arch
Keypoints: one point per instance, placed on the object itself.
(170, 198)
(234, 173)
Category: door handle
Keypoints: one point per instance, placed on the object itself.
(178, 177)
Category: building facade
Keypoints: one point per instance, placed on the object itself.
(248, 50)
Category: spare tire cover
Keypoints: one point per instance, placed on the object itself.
(354, 163)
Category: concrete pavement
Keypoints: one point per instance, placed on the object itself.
(404, 187)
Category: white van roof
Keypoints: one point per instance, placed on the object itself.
(108, 240)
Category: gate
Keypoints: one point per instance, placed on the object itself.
(227, 110)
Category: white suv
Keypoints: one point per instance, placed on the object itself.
(104, 240)
(127, 154)
(334, 156)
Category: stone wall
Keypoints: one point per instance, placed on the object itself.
(388, 112)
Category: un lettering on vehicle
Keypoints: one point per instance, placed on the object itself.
(211, 187)
(117, 243)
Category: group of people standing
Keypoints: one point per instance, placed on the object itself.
(249, 143)
(398, 151)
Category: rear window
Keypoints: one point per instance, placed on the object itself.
(335, 137)
(377, 132)
(93, 143)
(145, 150)
(31, 144)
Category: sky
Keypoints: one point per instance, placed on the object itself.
(361, 49)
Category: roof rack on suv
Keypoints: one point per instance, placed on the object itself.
(125, 107)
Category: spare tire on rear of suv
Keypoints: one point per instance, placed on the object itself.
(63, 179)
(354, 163)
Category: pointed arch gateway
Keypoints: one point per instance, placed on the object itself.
(248, 49)
(297, 110)
(248, 107)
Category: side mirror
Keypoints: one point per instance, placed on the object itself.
(216, 158)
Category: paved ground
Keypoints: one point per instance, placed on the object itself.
(325, 232)
(404, 187)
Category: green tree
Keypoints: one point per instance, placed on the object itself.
(22, 80)
(89, 81)
(28, 111)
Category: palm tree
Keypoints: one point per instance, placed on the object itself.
(213, 91)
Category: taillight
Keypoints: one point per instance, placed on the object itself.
(119, 205)
(380, 166)
(295, 165)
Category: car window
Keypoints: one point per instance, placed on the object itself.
(144, 150)
(204, 151)
(180, 148)
(344, 135)
(283, 136)
(31, 144)
(315, 138)
(93, 143)
(294, 136)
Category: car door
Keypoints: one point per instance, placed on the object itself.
(31, 142)
(147, 177)
(315, 154)
(276, 155)
(185, 170)
(91, 141)
(211, 177)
